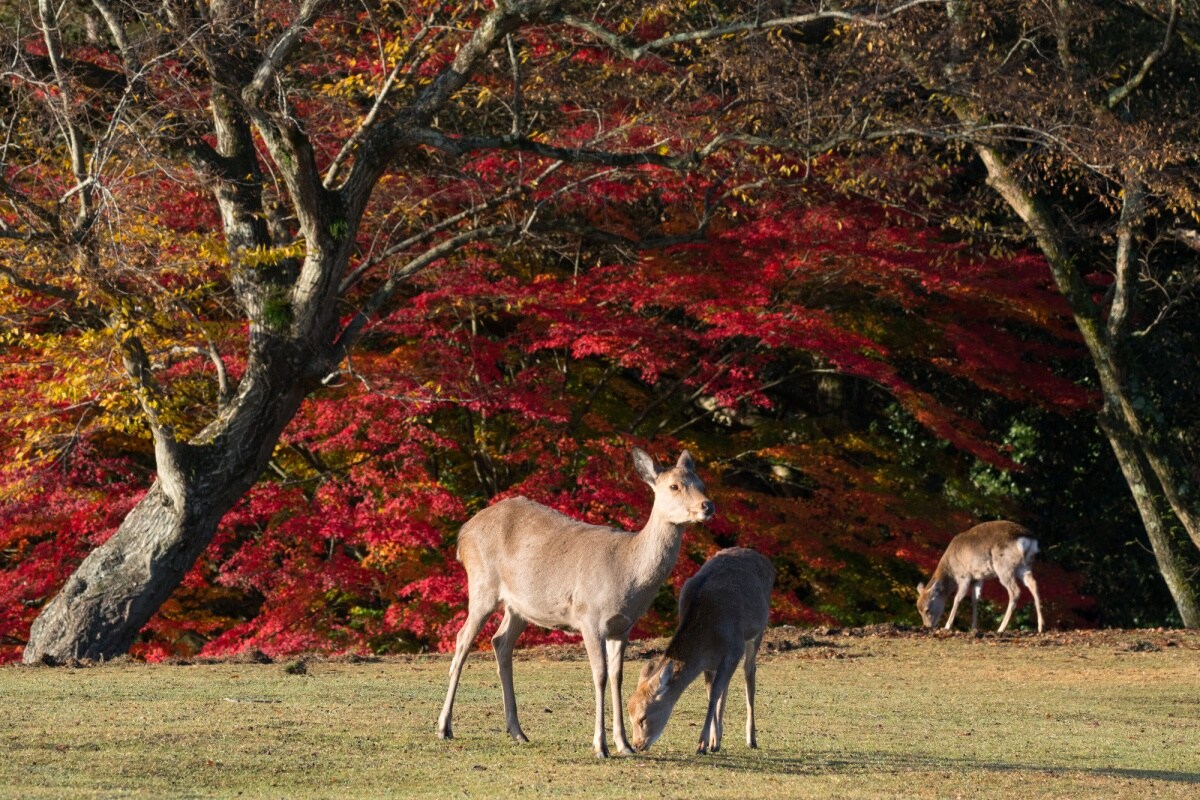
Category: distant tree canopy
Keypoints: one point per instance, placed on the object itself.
(290, 290)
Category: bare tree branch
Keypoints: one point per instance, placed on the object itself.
(431, 231)
(372, 117)
(1123, 91)
(462, 145)
(48, 17)
(1132, 207)
(281, 49)
(381, 296)
(866, 16)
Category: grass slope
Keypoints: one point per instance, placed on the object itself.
(841, 714)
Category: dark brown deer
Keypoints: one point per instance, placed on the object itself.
(723, 612)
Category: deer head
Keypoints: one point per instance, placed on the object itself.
(651, 703)
(931, 601)
(679, 495)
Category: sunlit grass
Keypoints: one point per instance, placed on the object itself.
(862, 717)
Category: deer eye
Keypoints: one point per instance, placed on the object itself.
(674, 487)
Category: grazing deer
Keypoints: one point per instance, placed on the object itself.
(561, 573)
(1003, 550)
(723, 612)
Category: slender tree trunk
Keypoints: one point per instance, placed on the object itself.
(1150, 469)
(1132, 465)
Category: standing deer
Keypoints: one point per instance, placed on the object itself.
(1003, 550)
(561, 573)
(723, 612)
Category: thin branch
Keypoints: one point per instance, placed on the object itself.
(664, 396)
(280, 50)
(429, 232)
(516, 79)
(462, 145)
(1132, 207)
(1118, 94)
(710, 412)
(1187, 237)
(636, 51)
(390, 136)
(372, 117)
(47, 15)
(380, 297)
(37, 287)
(21, 202)
(117, 31)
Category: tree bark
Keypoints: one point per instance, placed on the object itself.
(120, 585)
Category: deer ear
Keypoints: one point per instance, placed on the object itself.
(664, 677)
(685, 462)
(647, 470)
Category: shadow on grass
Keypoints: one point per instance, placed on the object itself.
(862, 763)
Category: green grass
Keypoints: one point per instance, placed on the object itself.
(1102, 715)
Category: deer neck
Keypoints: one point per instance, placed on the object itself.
(684, 671)
(657, 548)
(941, 576)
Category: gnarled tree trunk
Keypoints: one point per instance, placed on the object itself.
(121, 583)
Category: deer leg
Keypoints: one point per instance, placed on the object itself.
(1028, 579)
(976, 591)
(477, 614)
(1014, 591)
(615, 650)
(749, 669)
(714, 735)
(709, 679)
(710, 734)
(959, 594)
(593, 643)
(503, 642)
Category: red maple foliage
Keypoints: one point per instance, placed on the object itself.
(821, 355)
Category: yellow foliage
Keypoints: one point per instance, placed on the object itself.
(269, 256)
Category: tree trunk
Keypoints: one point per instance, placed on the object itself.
(120, 585)
(291, 307)
(1169, 565)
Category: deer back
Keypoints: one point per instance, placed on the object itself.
(988, 550)
(726, 602)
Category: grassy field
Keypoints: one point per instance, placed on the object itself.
(841, 714)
